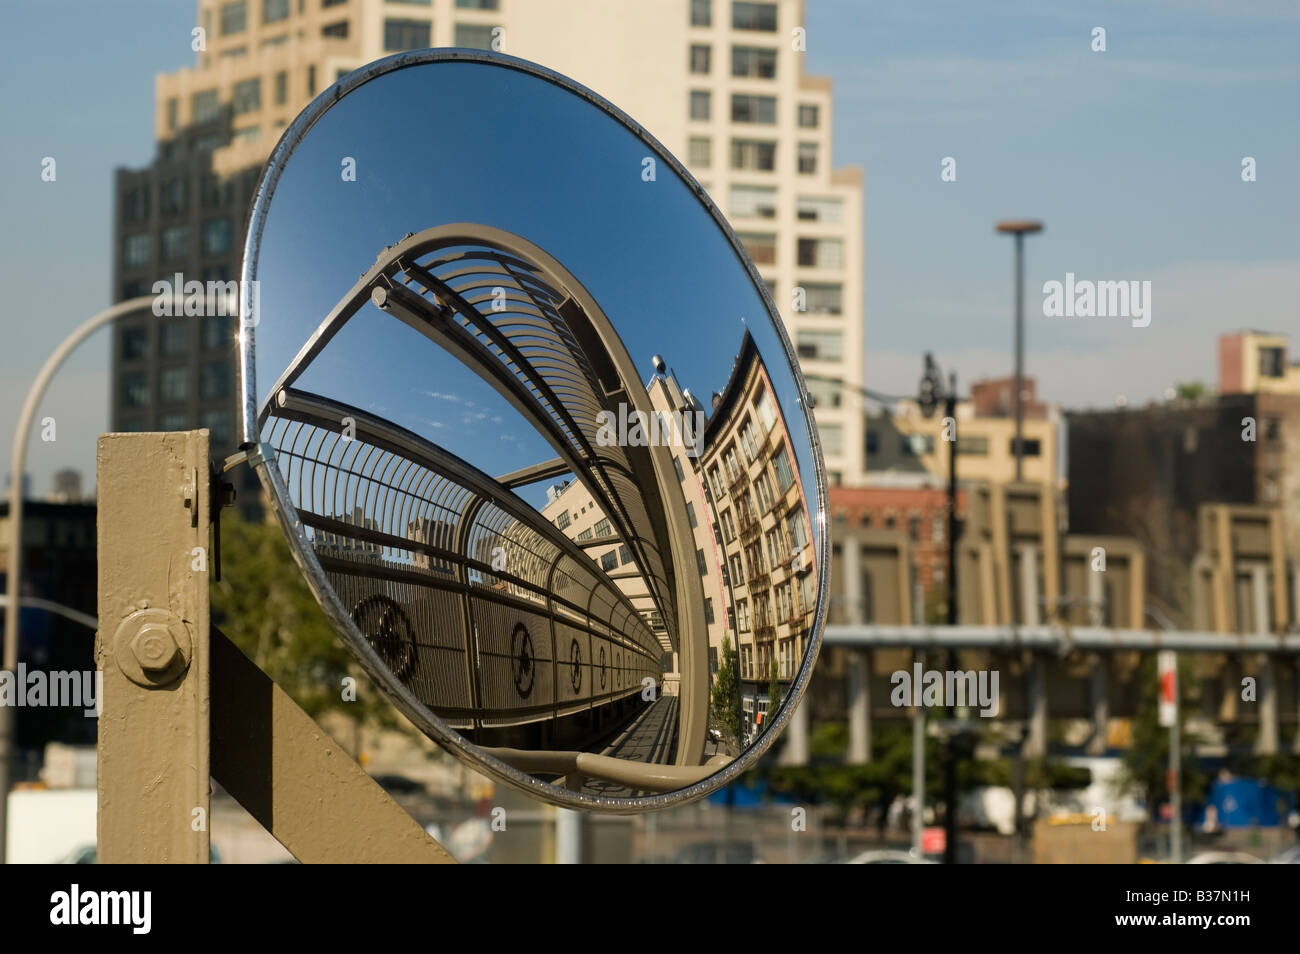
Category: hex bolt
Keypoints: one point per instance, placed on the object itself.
(155, 648)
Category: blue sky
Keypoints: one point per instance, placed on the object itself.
(647, 251)
(1131, 157)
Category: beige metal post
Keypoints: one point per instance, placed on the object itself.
(182, 704)
(152, 647)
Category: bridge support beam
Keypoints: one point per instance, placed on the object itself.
(1266, 742)
(1099, 704)
(859, 707)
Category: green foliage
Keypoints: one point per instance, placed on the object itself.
(827, 780)
(724, 709)
(1190, 390)
(264, 606)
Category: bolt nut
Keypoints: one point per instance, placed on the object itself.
(155, 647)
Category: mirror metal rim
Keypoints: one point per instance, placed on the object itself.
(262, 456)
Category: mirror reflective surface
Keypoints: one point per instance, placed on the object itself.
(533, 430)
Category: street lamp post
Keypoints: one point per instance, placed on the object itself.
(1020, 228)
(15, 568)
(931, 390)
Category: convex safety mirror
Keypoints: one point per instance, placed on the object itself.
(530, 421)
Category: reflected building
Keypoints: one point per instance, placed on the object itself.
(765, 532)
(752, 526)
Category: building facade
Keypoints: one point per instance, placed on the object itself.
(720, 83)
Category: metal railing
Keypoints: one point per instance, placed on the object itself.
(477, 603)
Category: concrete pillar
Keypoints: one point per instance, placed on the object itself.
(1099, 702)
(1266, 741)
(1036, 742)
(796, 738)
(859, 707)
(568, 837)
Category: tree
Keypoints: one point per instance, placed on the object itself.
(1190, 390)
(264, 606)
(724, 709)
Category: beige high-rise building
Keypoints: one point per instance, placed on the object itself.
(720, 83)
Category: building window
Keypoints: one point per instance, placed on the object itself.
(699, 153)
(808, 117)
(311, 78)
(807, 158)
(478, 4)
(218, 425)
(135, 389)
(602, 527)
(609, 561)
(701, 13)
(823, 298)
(173, 113)
(746, 108)
(173, 385)
(753, 16)
(216, 332)
(217, 238)
(135, 343)
(1033, 448)
(1272, 362)
(234, 17)
(690, 514)
(977, 446)
(174, 196)
(754, 62)
(708, 610)
(273, 11)
(474, 36)
(175, 243)
(700, 563)
(247, 135)
(406, 35)
(701, 59)
(336, 3)
(135, 204)
(338, 31)
(281, 87)
(624, 554)
(173, 337)
(761, 246)
(562, 521)
(784, 472)
(820, 345)
(701, 104)
(820, 209)
(757, 155)
(832, 436)
(135, 251)
(828, 394)
(753, 202)
(214, 380)
(205, 106)
(821, 253)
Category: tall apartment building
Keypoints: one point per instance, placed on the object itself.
(720, 83)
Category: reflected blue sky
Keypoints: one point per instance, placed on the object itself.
(467, 142)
